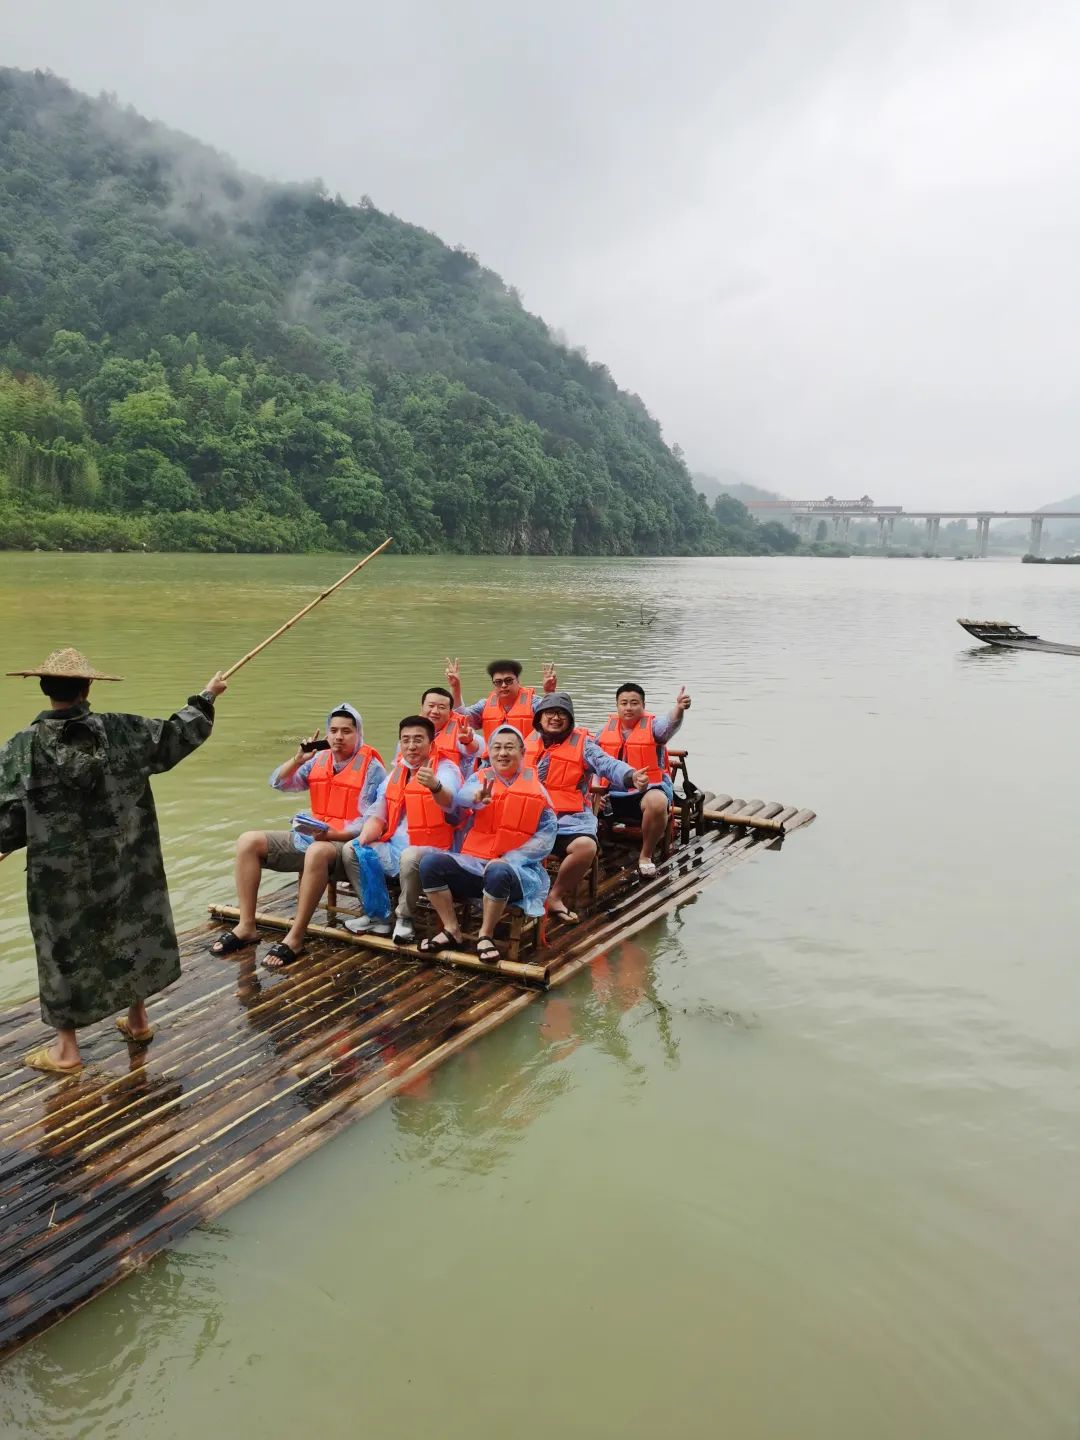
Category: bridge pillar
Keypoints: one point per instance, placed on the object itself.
(982, 536)
(890, 521)
(933, 525)
(881, 532)
(1035, 542)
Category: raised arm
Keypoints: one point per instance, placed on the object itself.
(293, 775)
(166, 742)
(453, 679)
(665, 726)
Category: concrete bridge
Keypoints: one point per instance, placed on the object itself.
(803, 513)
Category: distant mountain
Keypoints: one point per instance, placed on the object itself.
(193, 357)
(1072, 503)
(730, 482)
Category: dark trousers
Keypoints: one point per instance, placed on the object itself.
(440, 871)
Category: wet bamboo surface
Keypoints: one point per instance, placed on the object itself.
(250, 1071)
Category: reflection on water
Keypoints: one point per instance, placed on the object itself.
(461, 1121)
(799, 1161)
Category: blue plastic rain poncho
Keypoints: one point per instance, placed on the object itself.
(383, 857)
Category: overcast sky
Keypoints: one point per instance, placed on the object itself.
(833, 244)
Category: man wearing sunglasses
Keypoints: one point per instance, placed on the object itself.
(510, 702)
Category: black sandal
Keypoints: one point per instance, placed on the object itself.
(283, 954)
(227, 944)
(435, 944)
(568, 917)
(487, 951)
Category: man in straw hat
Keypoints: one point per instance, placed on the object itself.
(75, 791)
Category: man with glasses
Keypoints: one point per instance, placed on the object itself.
(510, 702)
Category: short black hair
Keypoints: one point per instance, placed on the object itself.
(630, 685)
(417, 722)
(500, 667)
(436, 690)
(64, 688)
(345, 715)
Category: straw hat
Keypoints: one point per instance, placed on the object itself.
(69, 665)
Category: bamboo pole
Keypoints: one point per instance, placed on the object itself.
(311, 606)
(512, 969)
(725, 817)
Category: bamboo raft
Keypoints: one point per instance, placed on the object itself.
(252, 1071)
(1010, 637)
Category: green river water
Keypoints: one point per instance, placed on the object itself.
(802, 1161)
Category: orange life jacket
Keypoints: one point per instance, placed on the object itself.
(566, 769)
(640, 750)
(425, 818)
(511, 818)
(445, 744)
(335, 795)
(519, 715)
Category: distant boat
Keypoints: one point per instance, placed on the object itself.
(1011, 637)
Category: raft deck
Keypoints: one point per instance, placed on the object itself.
(252, 1071)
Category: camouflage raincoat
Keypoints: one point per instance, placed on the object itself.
(75, 790)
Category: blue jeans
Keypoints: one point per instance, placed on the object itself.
(441, 871)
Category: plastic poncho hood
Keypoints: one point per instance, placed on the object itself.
(347, 709)
(555, 700)
(507, 730)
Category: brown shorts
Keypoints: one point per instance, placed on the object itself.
(282, 855)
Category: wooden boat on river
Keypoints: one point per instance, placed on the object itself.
(250, 1072)
(1010, 637)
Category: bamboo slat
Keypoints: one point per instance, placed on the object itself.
(524, 973)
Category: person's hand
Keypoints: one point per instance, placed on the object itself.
(427, 777)
(465, 734)
(216, 685)
(682, 700)
(639, 780)
(551, 680)
(453, 672)
(301, 752)
(484, 798)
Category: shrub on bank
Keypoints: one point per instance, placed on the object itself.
(249, 531)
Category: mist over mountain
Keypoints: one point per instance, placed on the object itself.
(195, 356)
(733, 483)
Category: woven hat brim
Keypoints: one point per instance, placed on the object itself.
(64, 674)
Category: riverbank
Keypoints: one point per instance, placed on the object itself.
(245, 531)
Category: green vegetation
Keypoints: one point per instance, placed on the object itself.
(191, 357)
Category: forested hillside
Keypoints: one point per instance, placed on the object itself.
(191, 357)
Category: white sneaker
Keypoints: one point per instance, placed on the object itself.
(366, 925)
(404, 931)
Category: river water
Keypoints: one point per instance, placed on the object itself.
(801, 1161)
